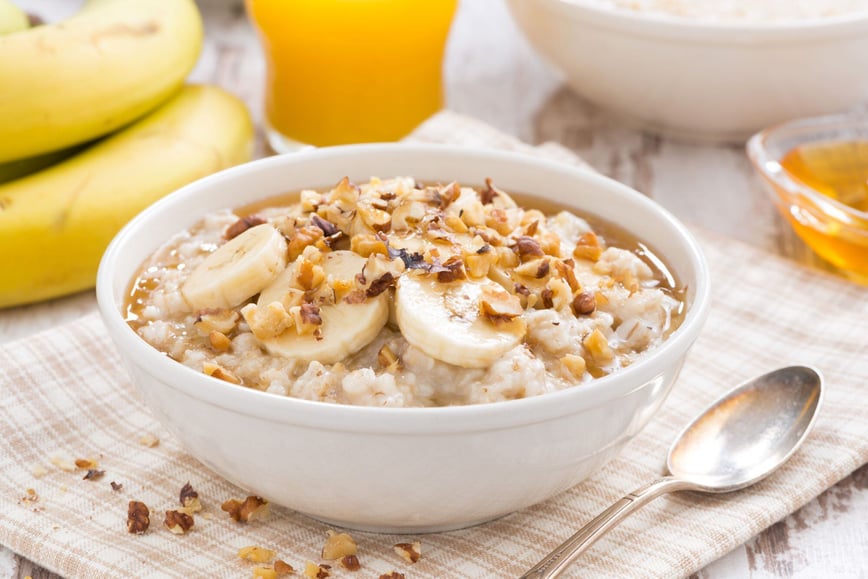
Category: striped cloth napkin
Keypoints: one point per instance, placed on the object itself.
(64, 396)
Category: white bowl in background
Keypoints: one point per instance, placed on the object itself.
(699, 80)
(402, 469)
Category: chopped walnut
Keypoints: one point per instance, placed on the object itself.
(149, 440)
(499, 306)
(392, 575)
(219, 341)
(85, 463)
(584, 304)
(301, 238)
(264, 573)
(249, 509)
(338, 545)
(350, 563)
(219, 372)
(216, 320)
(328, 228)
(189, 499)
(374, 217)
(527, 248)
(30, 496)
(307, 318)
(256, 554)
(138, 517)
(411, 552)
(537, 268)
(282, 568)
(387, 358)
(116, 486)
(366, 244)
(314, 571)
(308, 275)
(598, 346)
(452, 270)
(268, 321)
(574, 364)
(588, 247)
(242, 225)
(93, 474)
(178, 522)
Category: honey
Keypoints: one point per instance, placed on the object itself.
(837, 170)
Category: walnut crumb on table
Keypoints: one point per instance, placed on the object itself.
(177, 522)
(256, 554)
(411, 552)
(189, 499)
(251, 508)
(138, 517)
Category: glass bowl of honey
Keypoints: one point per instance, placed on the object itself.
(817, 172)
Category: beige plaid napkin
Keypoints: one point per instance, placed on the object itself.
(64, 391)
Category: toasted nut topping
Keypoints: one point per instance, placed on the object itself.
(338, 545)
(392, 575)
(584, 304)
(189, 499)
(527, 248)
(242, 225)
(547, 296)
(452, 270)
(219, 372)
(178, 522)
(87, 463)
(149, 440)
(366, 244)
(283, 568)
(93, 474)
(326, 227)
(537, 269)
(381, 284)
(387, 358)
(219, 320)
(251, 508)
(138, 517)
(256, 554)
(303, 237)
(219, 341)
(315, 571)
(351, 563)
(598, 346)
(588, 247)
(499, 306)
(574, 364)
(411, 552)
(308, 275)
(264, 573)
(268, 321)
(308, 315)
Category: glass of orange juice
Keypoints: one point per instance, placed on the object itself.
(350, 71)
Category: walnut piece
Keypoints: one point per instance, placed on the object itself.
(178, 522)
(584, 304)
(149, 440)
(282, 568)
(350, 563)
(264, 573)
(256, 554)
(338, 545)
(574, 364)
(138, 517)
(392, 575)
(219, 372)
(85, 463)
(93, 474)
(216, 320)
(249, 509)
(411, 552)
(499, 306)
(242, 225)
(314, 571)
(189, 499)
(116, 486)
(598, 346)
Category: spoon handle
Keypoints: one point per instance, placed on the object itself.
(559, 559)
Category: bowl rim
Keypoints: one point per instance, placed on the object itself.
(663, 25)
(769, 167)
(413, 420)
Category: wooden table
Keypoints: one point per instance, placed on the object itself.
(494, 75)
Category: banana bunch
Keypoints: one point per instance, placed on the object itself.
(96, 123)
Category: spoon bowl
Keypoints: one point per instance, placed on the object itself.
(749, 432)
(740, 439)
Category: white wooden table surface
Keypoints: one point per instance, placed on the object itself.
(493, 74)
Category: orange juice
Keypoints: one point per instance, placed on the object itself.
(348, 71)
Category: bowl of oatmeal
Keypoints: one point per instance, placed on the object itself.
(705, 69)
(404, 338)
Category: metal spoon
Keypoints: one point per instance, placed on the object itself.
(739, 440)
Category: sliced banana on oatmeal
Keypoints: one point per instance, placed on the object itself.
(327, 330)
(469, 323)
(237, 270)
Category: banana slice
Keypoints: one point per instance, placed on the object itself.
(346, 327)
(445, 321)
(237, 270)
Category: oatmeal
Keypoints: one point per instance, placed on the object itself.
(395, 293)
(738, 11)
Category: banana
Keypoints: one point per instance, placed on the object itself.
(111, 63)
(238, 270)
(445, 320)
(12, 18)
(22, 167)
(346, 327)
(55, 224)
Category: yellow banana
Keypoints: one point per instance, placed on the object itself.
(12, 18)
(55, 224)
(12, 170)
(112, 62)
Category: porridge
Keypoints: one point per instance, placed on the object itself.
(738, 11)
(394, 293)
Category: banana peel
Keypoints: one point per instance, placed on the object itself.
(55, 224)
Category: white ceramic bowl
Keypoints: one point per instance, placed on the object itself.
(401, 469)
(697, 80)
